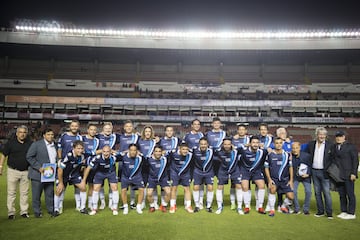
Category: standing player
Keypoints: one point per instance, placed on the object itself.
(105, 167)
(229, 168)
(240, 140)
(192, 139)
(169, 142)
(251, 166)
(91, 145)
(158, 175)
(107, 138)
(180, 162)
(131, 176)
(127, 138)
(279, 172)
(265, 138)
(65, 145)
(203, 173)
(69, 171)
(215, 138)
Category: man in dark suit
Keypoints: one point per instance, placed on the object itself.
(40, 152)
(319, 150)
(345, 155)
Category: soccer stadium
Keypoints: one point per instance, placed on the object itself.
(53, 72)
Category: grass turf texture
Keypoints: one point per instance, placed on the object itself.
(181, 225)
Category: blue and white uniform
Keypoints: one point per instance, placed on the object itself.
(108, 140)
(279, 165)
(131, 173)
(252, 163)
(127, 139)
(229, 167)
(180, 168)
(192, 139)
(158, 172)
(266, 140)
(169, 144)
(104, 168)
(65, 143)
(203, 166)
(71, 166)
(240, 142)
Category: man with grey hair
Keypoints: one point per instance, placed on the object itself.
(319, 149)
(17, 171)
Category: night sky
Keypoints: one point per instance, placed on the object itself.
(184, 14)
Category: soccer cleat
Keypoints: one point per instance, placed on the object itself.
(240, 211)
(261, 211)
(152, 209)
(163, 209)
(189, 209)
(102, 205)
(93, 212)
(272, 213)
(306, 213)
(197, 209)
(201, 206)
(11, 217)
(133, 206)
(209, 210)
(84, 211)
(233, 206)
(139, 210)
(246, 210)
(285, 210)
(126, 211)
(341, 215)
(115, 212)
(219, 210)
(25, 215)
(157, 206)
(172, 209)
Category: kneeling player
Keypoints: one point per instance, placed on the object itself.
(158, 175)
(69, 171)
(105, 168)
(279, 172)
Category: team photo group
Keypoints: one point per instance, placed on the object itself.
(148, 169)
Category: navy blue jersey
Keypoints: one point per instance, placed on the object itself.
(146, 146)
(100, 163)
(279, 165)
(203, 160)
(215, 139)
(91, 145)
(71, 164)
(192, 139)
(240, 142)
(228, 160)
(65, 143)
(287, 146)
(131, 166)
(178, 163)
(127, 139)
(110, 140)
(266, 140)
(158, 168)
(252, 161)
(169, 144)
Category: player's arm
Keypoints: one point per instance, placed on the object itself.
(60, 187)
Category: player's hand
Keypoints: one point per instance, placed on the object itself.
(352, 177)
(59, 188)
(305, 175)
(291, 184)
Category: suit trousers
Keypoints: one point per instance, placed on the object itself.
(37, 189)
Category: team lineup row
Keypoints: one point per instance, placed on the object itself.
(146, 162)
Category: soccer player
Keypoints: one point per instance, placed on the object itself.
(265, 138)
(65, 144)
(131, 176)
(279, 172)
(169, 142)
(302, 171)
(203, 173)
(192, 139)
(104, 164)
(158, 176)
(107, 138)
(91, 144)
(69, 172)
(240, 140)
(127, 138)
(180, 162)
(251, 164)
(229, 168)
